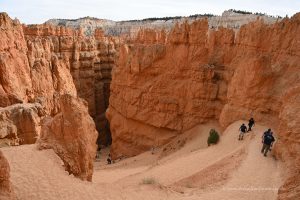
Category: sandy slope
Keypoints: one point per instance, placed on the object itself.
(230, 170)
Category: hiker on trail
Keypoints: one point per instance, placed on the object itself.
(251, 124)
(265, 133)
(109, 159)
(243, 130)
(268, 140)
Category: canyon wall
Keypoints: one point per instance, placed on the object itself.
(196, 74)
(36, 84)
(47, 52)
(89, 59)
(39, 63)
(15, 82)
(165, 84)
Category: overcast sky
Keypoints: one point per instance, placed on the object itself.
(38, 11)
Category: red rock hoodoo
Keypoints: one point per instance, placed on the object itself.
(72, 135)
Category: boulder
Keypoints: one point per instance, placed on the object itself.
(20, 123)
(72, 135)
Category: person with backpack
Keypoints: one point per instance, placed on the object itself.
(268, 141)
(242, 130)
(251, 124)
(265, 133)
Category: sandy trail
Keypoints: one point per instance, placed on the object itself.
(258, 177)
(245, 173)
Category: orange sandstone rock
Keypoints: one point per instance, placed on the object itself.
(14, 69)
(6, 191)
(56, 52)
(20, 123)
(167, 84)
(195, 74)
(72, 135)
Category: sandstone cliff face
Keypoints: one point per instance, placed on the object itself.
(6, 191)
(15, 82)
(194, 74)
(36, 72)
(167, 83)
(72, 135)
(92, 62)
(50, 72)
(32, 75)
(288, 147)
(53, 52)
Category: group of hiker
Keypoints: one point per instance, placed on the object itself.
(243, 128)
(267, 137)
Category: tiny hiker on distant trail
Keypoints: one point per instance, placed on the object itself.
(108, 159)
(243, 130)
(268, 141)
(251, 123)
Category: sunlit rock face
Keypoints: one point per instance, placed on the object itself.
(72, 135)
(86, 61)
(165, 83)
(37, 88)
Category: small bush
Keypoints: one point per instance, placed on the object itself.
(213, 137)
(149, 181)
(189, 185)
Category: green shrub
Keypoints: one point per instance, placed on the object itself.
(213, 137)
(149, 181)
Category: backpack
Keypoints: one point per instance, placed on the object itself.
(268, 139)
(243, 128)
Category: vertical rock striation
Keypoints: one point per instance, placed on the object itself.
(15, 82)
(168, 82)
(89, 59)
(36, 65)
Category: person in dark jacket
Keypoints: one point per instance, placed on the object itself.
(251, 124)
(265, 133)
(243, 130)
(108, 159)
(268, 141)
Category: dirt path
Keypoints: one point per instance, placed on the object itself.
(258, 177)
(190, 173)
